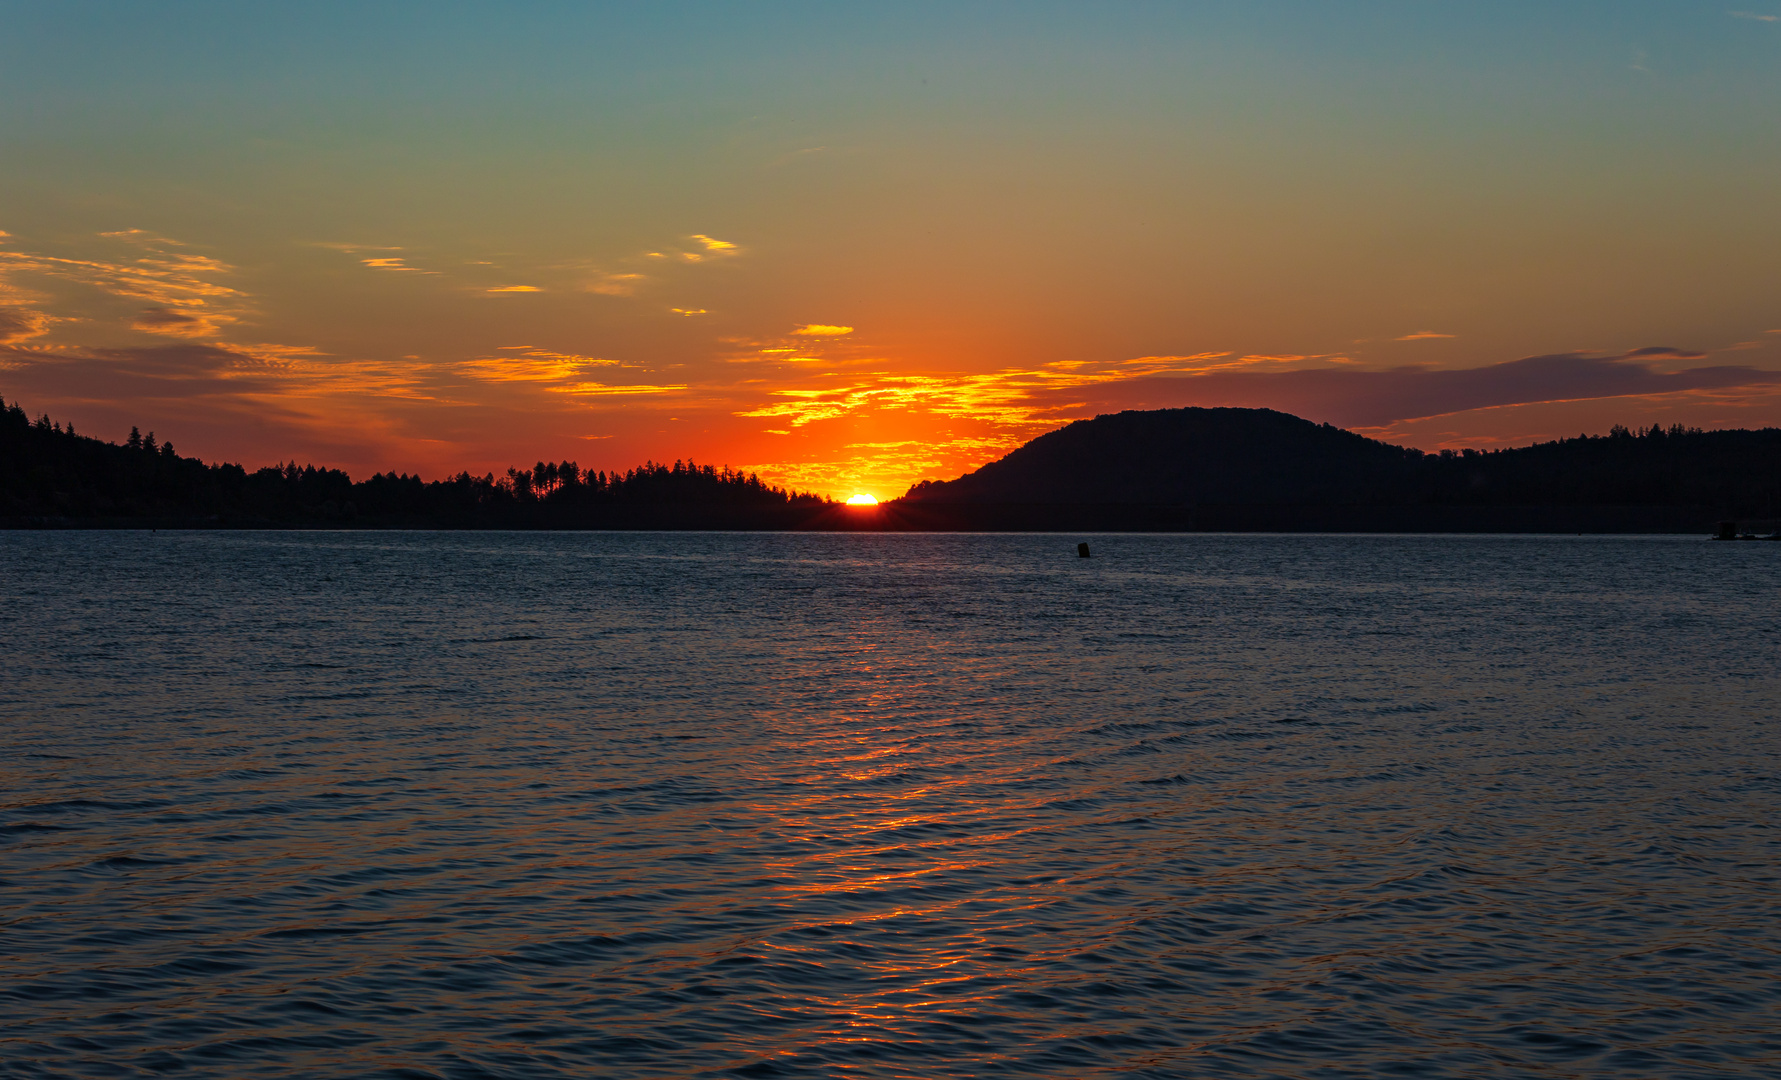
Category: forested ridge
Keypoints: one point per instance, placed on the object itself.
(49, 474)
(1162, 469)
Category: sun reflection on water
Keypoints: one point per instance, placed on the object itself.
(887, 807)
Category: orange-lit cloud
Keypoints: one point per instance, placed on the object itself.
(532, 365)
(139, 236)
(167, 279)
(20, 323)
(1423, 335)
(710, 247)
(515, 289)
(822, 330)
(594, 389)
(188, 300)
(617, 284)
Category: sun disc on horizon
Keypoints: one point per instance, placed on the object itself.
(861, 500)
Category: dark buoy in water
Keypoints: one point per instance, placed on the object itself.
(1082, 550)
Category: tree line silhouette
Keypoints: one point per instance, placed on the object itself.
(1160, 469)
(49, 474)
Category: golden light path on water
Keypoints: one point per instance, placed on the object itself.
(887, 806)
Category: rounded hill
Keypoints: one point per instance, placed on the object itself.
(1192, 455)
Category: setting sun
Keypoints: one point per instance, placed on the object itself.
(861, 500)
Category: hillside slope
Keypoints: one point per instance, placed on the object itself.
(1185, 457)
(1190, 456)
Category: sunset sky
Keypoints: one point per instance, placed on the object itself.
(855, 246)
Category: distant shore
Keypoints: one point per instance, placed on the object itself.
(1170, 470)
(901, 516)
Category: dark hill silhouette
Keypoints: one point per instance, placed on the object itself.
(1185, 456)
(1261, 469)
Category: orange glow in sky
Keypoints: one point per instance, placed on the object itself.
(857, 252)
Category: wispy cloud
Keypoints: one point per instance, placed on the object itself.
(594, 389)
(195, 369)
(1662, 352)
(185, 324)
(1756, 16)
(1016, 401)
(174, 280)
(1423, 335)
(139, 236)
(822, 330)
(1195, 364)
(353, 249)
(714, 245)
(710, 246)
(689, 311)
(20, 323)
(515, 289)
(617, 284)
(1350, 397)
(1001, 398)
(183, 288)
(532, 365)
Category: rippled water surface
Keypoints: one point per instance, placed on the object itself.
(686, 805)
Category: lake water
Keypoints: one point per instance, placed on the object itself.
(309, 804)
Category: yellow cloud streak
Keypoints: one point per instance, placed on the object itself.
(1001, 397)
(170, 280)
(594, 389)
(533, 365)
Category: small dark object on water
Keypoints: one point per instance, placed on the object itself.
(1082, 550)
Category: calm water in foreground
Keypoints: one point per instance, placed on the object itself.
(687, 805)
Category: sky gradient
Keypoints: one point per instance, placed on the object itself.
(855, 247)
